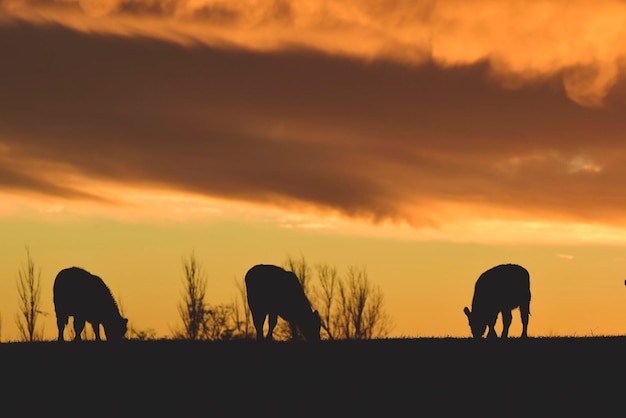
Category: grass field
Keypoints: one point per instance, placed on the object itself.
(392, 377)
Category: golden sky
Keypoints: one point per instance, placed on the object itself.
(441, 127)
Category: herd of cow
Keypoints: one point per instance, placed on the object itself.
(273, 292)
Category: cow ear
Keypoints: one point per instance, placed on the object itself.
(467, 311)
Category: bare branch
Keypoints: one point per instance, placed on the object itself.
(29, 293)
(327, 277)
(193, 309)
(360, 314)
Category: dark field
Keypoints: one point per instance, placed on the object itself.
(396, 377)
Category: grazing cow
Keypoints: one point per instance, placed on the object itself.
(86, 297)
(273, 291)
(500, 290)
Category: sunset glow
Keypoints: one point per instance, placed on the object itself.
(425, 140)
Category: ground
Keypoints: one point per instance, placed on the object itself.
(394, 377)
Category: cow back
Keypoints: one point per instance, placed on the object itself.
(503, 287)
(271, 289)
(77, 292)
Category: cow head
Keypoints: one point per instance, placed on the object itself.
(116, 330)
(476, 323)
(310, 327)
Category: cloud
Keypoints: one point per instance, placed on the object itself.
(374, 117)
(582, 164)
(579, 41)
(565, 256)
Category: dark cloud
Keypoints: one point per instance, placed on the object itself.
(376, 139)
(519, 45)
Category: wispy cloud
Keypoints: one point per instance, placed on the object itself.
(565, 256)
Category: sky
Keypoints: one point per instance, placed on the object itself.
(425, 141)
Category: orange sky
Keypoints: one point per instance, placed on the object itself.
(490, 128)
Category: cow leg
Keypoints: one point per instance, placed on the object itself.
(272, 324)
(61, 322)
(258, 320)
(96, 330)
(524, 314)
(79, 324)
(507, 317)
(492, 328)
(294, 331)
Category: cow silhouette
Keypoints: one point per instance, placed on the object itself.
(86, 297)
(499, 290)
(272, 292)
